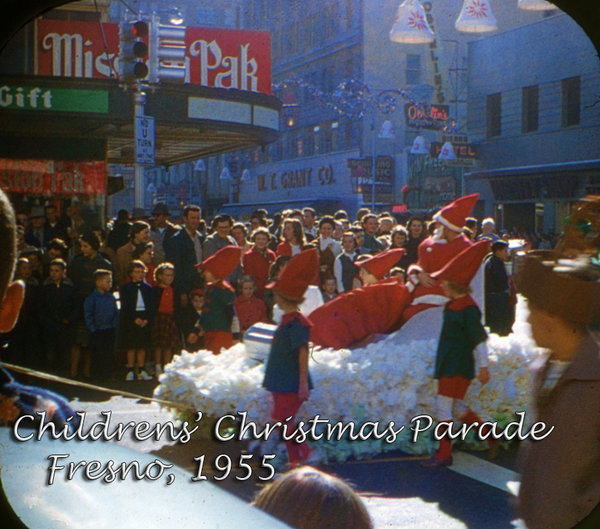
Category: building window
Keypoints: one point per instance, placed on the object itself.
(494, 115)
(413, 68)
(530, 108)
(299, 147)
(571, 101)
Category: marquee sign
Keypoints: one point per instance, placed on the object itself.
(217, 58)
(431, 117)
(52, 177)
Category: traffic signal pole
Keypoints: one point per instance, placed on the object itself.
(139, 100)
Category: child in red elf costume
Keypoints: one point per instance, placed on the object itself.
(286, 372)
(355, 315)
(461, 337)
(219, 295)
(337, 324)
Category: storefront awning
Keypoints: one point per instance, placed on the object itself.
(531, 170)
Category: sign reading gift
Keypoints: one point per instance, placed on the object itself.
(216, 58)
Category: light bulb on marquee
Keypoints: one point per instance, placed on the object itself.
(476, 17)
(410, 26)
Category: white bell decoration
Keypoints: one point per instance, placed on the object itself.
(387, 131)
(447, 152)
(476, 17)
(225, 174)
(536, 5)
(419, 146)
(410, 26)
(200, 165)
(245, 176)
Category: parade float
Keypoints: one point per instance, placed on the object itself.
(387, 380)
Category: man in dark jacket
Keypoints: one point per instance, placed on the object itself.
(184, 250)
(499, 314)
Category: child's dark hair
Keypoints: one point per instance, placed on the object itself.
(260, 230)
(92, 239)
(326, 278)
(279, 263)
(397, 271)
(139, 250)
(196, 293)
(58, 244)
(161, 268)
(59, 262)
(327, 220)
(136, 264)
(100, 273)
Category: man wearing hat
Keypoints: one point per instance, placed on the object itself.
(499, 313)
(219, 295)
(35, 233)
(286, 372)
(161, 231)
(560, 478)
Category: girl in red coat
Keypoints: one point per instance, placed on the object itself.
(165, 333)
(258, 260)
(249, 309)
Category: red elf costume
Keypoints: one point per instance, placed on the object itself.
(219, 296)
(461, 336)
(286, 370)
(354, 315)
(337, 323)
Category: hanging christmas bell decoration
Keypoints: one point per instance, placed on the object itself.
(410, 26)
(419, 146)
(476, 17)
(536, 5)
(447, 152)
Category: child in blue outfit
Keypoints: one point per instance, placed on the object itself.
(101, 319)
(461, 336)
(286, 373)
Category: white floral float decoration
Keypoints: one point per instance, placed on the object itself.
(389, 380)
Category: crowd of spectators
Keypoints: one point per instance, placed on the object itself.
(58, 261)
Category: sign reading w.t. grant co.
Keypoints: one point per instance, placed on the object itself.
(218, 58)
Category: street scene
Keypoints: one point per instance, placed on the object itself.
(276, 264)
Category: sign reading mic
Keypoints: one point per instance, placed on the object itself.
(217, 58)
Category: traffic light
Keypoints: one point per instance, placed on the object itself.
(133, 50)
(167, 53)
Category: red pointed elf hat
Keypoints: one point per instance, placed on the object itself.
(453, 215)
(380, 264)
(222, 263)
(297, 275)
(463, 267)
